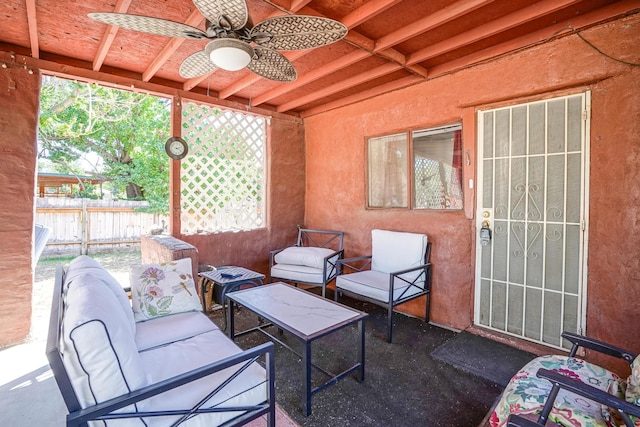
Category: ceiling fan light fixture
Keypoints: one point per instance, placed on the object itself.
(229, 54)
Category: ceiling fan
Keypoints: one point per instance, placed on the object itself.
(235, 42)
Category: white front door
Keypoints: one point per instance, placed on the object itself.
(532, 197)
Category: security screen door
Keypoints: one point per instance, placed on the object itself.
(532, 196)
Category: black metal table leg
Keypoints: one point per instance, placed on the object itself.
(361, 348)
(231, 320)
(306, 365)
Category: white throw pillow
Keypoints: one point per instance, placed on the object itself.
(307, 255)
(163, 289)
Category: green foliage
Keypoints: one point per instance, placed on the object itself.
(120, 133)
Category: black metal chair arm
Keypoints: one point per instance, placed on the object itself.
(340, 253)
(100, 410)
(585, 390)
(349, 263)
(409, 270)
(597, 345)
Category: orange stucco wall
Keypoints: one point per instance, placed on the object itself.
(336, 166)
(19, 102)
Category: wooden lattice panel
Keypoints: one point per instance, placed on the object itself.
(223, 177)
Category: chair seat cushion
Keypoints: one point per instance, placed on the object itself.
(303, 255)
(167, 329)
(526, 393)
(374, 285)
(297, 273)
(249, 388)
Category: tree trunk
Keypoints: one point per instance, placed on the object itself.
(134, 191)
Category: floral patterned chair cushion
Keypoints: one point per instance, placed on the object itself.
(629, 391)
(526, 393)
(163, 289)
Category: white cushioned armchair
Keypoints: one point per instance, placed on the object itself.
(397, 271)
(311, 261)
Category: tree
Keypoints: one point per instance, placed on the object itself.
(119, 133)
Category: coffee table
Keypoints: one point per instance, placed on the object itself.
(306, 316)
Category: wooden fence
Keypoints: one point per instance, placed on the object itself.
(83, 225)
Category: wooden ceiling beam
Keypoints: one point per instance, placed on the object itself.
(358, 16)
(33, 28)
(109, 34)
(362, 42)
(367, 11)
(361, 96)
(436, 19)
(194, 20)
(296, 5)
(191, 83)
(318, 73)
(530, 39)
(496, 26)
(343, 85)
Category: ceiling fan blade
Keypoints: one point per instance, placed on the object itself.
(272, 65)
(196, 65)
(297, 32)
(147, 24)
(234, 10)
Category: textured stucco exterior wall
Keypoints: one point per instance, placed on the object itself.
(336, 166)
(285, 205)
(19, 103)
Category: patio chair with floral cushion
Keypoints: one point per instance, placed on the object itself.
(572, 392)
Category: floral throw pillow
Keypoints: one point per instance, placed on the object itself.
(163, 289)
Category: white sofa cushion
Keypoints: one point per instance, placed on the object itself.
(393, 251)
(167, 361)
(297, 273)
(101, 356)
(163, 289)
(374, 284)
(168, 329)
(303, 255)
(89, 270)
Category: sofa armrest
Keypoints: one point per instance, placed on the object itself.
(559, 381)
(105, 410)
(597, 345)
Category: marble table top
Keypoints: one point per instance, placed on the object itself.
(301, 310)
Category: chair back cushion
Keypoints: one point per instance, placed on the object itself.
(393, 251)
(100, 353)
(303, 255)
(84, 268)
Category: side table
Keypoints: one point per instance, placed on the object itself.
(227, 279)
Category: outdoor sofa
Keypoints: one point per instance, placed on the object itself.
(145, 364)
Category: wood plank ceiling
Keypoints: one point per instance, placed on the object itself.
(391, 44)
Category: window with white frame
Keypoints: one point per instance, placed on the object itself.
(223, 176)
(431, 180)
